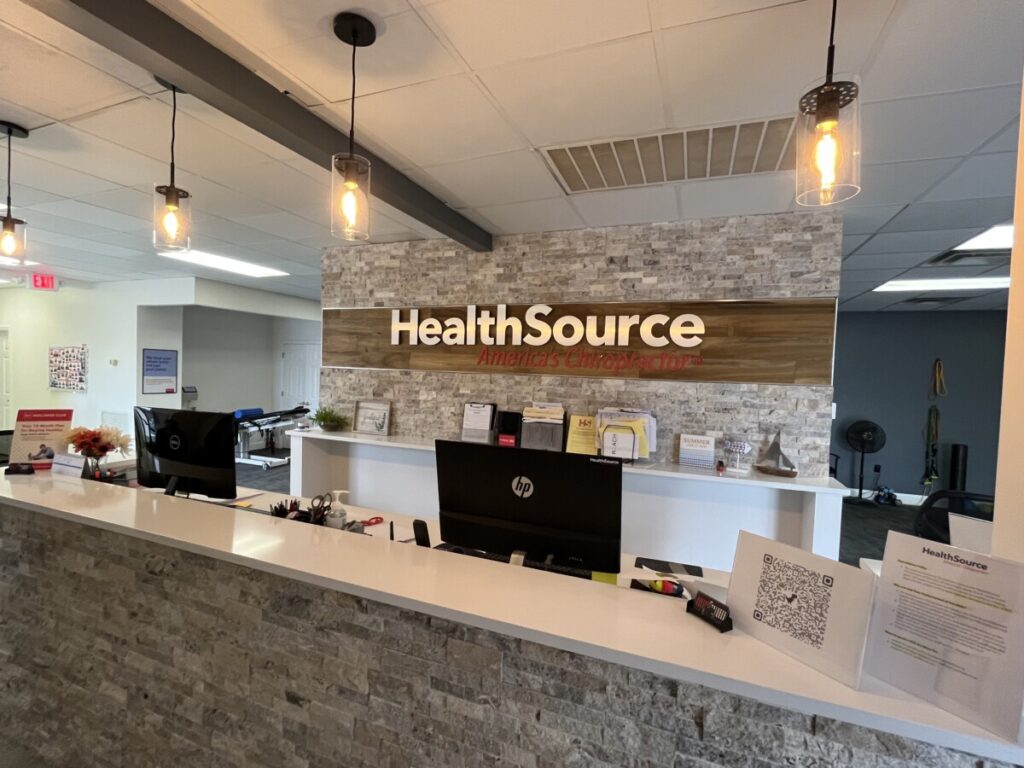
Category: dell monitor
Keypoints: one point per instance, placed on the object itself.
(186, 451)
(559, 508)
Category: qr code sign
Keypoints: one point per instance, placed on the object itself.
(794, 600)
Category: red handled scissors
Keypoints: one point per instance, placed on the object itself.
(377, 520)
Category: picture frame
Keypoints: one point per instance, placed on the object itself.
(373, 417)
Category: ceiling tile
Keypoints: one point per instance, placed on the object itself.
(931, 273)
(285, 225)
(735, 68)
(627, 206)
(406, 52)
(536, 216)
(852, 242)
(209, 197)
(672, 13)
(979, 176)
(933, 241)
(737, 196)
(144, 125)
(947, 125)
(72, 86)
(877, 276)
(487, 33)
(848, 288)
(859, 261)
(953, 214)
(936, 46)
(990, 301)
(510, 177)
(1006, 140)
(126, 200)
(433, 123)
(899, 183)
(599, 92)
(56, 179)
(77, 211)
(18, 115)
(869, 302)
(23, 195)
(867, 220)
(225, 231)
(286, 188)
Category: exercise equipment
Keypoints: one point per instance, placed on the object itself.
(250, 421)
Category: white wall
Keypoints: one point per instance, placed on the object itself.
(1008, 534)
(230, 357)
(289, 331)
(159, 328)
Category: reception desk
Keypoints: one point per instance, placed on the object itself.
(140, 630)
(668, 511)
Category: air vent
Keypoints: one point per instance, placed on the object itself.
(929, 301)
(698, 153)
(971, 259)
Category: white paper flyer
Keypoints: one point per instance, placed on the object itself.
(948, 627)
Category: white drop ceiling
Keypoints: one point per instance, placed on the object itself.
(463, 96)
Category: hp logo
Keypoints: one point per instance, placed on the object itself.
(174, 442)
(522, 486)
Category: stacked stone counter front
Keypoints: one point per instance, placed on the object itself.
(748, 257)
(116, 652)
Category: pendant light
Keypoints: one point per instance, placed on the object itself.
(828, 138)
(172, 206)
(12, 234)
(350, 173)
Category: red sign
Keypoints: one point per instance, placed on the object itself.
(44, 282)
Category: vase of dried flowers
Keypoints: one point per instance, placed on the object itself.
(95, 445)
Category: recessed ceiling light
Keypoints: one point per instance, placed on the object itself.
(947, 284)
(998, 238)
(10, 261)
(213, 261)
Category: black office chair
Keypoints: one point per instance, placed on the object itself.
(932, 521)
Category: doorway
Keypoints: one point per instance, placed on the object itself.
(300, 375)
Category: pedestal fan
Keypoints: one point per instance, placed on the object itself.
(865, 437)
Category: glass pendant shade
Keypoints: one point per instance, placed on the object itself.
(12, 238)
(172, 219)
(350, 197)
(828, 144)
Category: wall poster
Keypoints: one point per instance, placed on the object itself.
(69, 368)
(771, 341)
(159, 371)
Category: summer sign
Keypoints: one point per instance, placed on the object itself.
(773, 341)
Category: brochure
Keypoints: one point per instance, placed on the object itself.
(39, 436)
(582, 435)
(948, 626)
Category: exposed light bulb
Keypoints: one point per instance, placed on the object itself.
(8, 243)
(170, 224)
(826, 158)
(350, 208)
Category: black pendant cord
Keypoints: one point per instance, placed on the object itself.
(174, 118)
(831, 46)
(7, 213)
(352, 118)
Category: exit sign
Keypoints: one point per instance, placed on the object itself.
(44, 282)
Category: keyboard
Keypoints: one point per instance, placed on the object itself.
(564, 570)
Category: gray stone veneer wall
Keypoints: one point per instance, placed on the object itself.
(746, 257)
(119, 653)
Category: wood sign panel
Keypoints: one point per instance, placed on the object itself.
(786, 341)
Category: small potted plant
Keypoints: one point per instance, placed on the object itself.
(329, 420)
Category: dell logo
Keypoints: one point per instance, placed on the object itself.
(175, 442)
(522, 486)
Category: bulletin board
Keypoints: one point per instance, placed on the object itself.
(69, 368)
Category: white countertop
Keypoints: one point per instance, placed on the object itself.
(673, 471)
(643, 631)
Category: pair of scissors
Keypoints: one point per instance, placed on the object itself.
(321, 505)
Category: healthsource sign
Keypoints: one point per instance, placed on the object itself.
(772, 341)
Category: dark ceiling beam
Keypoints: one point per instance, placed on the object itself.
(149, 38)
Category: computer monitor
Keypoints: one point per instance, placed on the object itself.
(560, 505)
(186, 451)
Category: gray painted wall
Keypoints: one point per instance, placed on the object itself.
(883, 373)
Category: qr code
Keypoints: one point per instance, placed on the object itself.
(794, 600)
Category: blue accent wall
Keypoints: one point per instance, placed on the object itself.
(883, 371)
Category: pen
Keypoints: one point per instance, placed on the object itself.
(391, 530)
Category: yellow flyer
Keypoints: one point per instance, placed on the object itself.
(582, 435)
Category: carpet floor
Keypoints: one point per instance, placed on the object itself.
(865, 529)
(275, 480)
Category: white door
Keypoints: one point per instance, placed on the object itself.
(6, 372)
(300, 375)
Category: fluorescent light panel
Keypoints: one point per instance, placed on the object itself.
(7, 261)
(998, 238)
(224, 263)
(947, 284)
